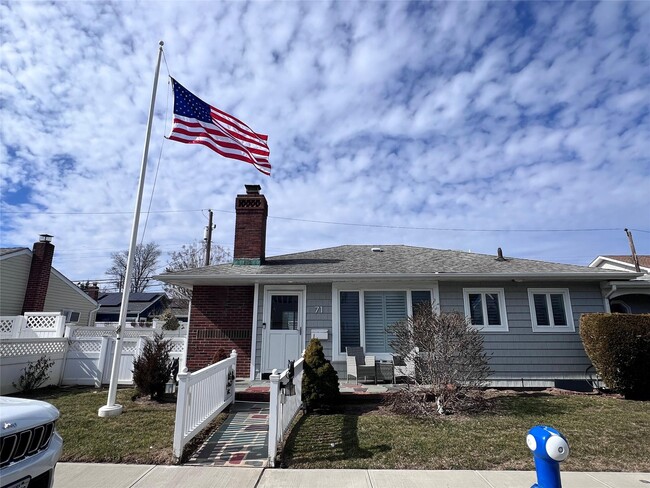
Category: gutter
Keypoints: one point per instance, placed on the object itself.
(392, 277)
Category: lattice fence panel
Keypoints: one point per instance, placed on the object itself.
(86, 346)
(6, 325)
(178, 346)
(79, 332)
(13, 349)
(44, 322)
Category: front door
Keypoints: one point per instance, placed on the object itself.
(283, 328)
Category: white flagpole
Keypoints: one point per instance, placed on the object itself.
(112, 409)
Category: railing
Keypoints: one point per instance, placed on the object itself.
(283, 407)
(201, 396)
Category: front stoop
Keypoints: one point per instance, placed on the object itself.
(242, 440)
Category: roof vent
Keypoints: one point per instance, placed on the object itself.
(500, 255)
(376, 249)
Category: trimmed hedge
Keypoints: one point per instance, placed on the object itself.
(619, 348)
(320, 383)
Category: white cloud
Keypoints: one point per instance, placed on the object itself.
(440, 115)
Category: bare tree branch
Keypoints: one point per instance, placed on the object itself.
(191, 256)
(145, 263)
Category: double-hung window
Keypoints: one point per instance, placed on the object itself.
(486, 308)
(550, 310)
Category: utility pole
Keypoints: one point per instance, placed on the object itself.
(207, 236)
(635, 258)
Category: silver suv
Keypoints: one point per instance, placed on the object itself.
(30, 444)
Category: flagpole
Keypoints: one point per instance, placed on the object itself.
(111, 409)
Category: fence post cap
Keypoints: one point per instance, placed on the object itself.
(233, 353)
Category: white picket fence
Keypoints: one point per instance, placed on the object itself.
(283, 408)
(83, 357)
(201, 396)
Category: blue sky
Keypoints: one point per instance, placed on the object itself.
(461, 125)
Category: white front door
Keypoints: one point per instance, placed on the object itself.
(284, 325)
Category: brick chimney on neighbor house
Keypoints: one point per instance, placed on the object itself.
(251, 211)
(92, 290)
(39, 274)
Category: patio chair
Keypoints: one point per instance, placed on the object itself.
(360, 365)
(404, 366)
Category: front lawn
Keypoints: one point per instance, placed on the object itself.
(605, 433)
(143, 434)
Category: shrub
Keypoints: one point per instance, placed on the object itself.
(320, 383)
(170, 322)
(153, 368)
(34, 374)
(619, 348)
(449, 363)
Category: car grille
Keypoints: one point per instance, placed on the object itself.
(26, 443)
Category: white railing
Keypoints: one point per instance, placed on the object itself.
(283, 408)
(32, 324)
(201, 396)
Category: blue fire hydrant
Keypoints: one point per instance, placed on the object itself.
(549, 448)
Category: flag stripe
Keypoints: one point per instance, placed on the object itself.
(196, 122)
(192, 126)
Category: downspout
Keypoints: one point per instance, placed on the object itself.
(256, 294)
(93, 315)
(606, 298)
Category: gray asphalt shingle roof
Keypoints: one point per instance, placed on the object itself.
(393, 260)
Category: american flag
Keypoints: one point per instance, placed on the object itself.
(196, 122)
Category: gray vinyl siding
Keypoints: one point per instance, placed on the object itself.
(61, 295)
(521, 353)
(14, 273)
(320, 295)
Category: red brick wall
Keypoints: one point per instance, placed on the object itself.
(39, 277)
(221, 320)
(250, 227)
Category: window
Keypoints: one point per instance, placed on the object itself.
(349, 319)
(550, 310)
(486, 308)
(381, 310)
(364, 315)
(71, 317)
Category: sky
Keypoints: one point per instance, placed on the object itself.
(450, 125)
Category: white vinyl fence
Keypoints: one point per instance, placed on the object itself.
(201, 396)
(83, 357)
(283, 407)
(32, 324)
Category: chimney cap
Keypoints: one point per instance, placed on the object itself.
(45, 238)
(253, 189)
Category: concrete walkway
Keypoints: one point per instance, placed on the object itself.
(77, 475)
(242, 440)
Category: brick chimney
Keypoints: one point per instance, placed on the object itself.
(250, 227)
(91, 290)
(39, 274)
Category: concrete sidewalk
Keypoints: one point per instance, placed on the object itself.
(79, 475)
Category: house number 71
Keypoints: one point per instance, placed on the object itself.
(318, 309)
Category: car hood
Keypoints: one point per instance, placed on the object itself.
(18, 414)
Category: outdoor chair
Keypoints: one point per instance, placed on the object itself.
(405, 365)
(360, 365)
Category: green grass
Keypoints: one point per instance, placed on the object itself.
(604, 433)
(142, 434)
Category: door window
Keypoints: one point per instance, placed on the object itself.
(284, 312)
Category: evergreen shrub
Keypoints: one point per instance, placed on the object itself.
(619, 348)
(320, 383)
(153, 368)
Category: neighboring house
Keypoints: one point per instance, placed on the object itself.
(143, 307)
(631, 296)
(29, 283)
(267, 308)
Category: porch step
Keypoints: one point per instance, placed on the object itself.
(254, 394)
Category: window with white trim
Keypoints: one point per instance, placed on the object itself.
(486, 308)
(71, 317)
(550, 310)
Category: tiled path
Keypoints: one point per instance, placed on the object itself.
(242, 440)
